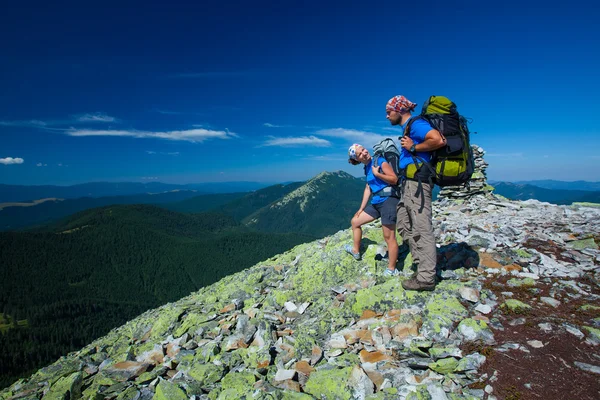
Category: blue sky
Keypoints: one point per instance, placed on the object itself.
(276, 91)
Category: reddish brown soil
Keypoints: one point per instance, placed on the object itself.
(549, 372)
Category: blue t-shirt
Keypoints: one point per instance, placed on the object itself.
(417, 133)
(374, 182)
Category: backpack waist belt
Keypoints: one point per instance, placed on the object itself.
(385, 192)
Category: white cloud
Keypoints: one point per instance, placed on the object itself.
(30, 123)
(10, 160)
(190, 135)
(297, 141)
(96, 117)
(168, 112)
(367, 139)
(76, 119)
(269, 125)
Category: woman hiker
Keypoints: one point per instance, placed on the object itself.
(379, 177)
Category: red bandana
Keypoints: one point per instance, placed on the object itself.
(400, 104)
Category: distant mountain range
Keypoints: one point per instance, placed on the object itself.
(317, 207)
(558, 185)
(17, 216)
(20, 193)
(515, 191)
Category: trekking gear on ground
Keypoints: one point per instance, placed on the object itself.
(387, 150)
(453, 164)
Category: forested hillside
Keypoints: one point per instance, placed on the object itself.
(73, 281)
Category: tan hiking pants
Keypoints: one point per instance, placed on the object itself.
(415, 227)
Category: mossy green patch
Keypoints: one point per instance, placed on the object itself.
(66, 387)
(280, 296)
(527, 282)
(453, 396)
(442, 310)
(131, 393)
(589, 307)
(207, 352)
(443, 352)
(169, 391)
(290, 395)
(305, 340)
(166, 318)
(588, 243)
(386, 296)
(329, 384)
(93, 391)
(237, 384)
(444, 366)
(61, 368)
(252, 356)
(421, 393)
(206, 374)
(345, 360)
(191, 322)
(515, 306)
(522, 253)
(594, 332)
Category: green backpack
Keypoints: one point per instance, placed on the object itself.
(453, 164)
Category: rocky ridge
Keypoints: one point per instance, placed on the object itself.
(315, 323)
(307, 192)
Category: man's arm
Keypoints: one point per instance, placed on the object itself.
(433, 141)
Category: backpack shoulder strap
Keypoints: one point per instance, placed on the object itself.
(409, 125)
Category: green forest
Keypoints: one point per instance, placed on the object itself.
(63, 285)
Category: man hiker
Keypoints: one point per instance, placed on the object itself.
(414, 224)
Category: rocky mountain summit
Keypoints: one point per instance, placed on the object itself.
(315, 323)
(515, 315)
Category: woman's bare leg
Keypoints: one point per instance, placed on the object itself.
(389, 234)
(357, 222)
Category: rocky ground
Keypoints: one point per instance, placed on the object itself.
(515, 316)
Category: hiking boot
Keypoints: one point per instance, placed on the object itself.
(415, 284)
(391, 272)
(348, 249)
